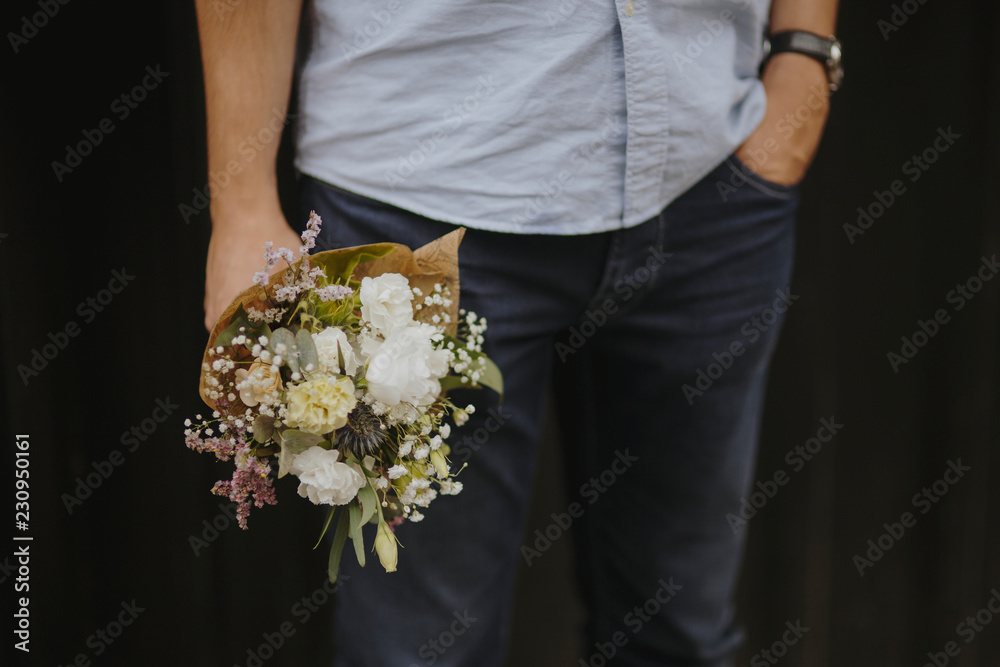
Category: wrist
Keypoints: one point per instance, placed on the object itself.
(246, 209)
(795, 69)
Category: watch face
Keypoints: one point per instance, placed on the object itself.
(835, 67)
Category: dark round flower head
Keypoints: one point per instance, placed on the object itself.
(362, 435)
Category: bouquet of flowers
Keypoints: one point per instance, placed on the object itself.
(336, 370)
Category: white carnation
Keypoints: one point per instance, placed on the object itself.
(406, 368)
(323, 479)
(386, 301)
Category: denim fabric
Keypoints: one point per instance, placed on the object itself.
(658, 339)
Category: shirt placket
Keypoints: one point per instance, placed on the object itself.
(646, 109)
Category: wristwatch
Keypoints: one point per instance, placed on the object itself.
(824, 49)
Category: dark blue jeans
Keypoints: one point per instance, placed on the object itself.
(658, 340)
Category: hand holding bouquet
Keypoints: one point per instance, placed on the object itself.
(336, 370)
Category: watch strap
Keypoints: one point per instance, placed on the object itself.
(825, 50)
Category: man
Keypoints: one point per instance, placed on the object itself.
(616, 244)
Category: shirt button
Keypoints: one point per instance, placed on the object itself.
(629, 8)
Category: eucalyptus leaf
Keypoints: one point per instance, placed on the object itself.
(294, 443)
(285, 337)
(301, 439)
(356, 536)
(263, 428)
(308, 357)
(337, 548)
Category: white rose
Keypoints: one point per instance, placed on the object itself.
(326, 347)
(324, 480)
(406, 368)
(385, 301)
(321, 405)
(258, 385)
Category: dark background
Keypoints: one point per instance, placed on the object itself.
(130, 539)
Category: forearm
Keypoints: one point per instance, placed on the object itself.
(818, 16)
(248, 55)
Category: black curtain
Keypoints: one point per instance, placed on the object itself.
(881, 541)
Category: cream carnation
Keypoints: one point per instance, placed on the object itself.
(406, 368)
(326, 343)
(320, 405)
(324, 479)
(258, 385)
(385, 301)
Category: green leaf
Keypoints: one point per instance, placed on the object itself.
(326, 524)
(263, 428)
(239, 319)
(308, 357)
(293, 443)
(303, 439)
(354, 461)
(490, 375)
(369, 501)
(337, 549)
(338, 266)
(356, 536)
(450, 382)
(284, 337)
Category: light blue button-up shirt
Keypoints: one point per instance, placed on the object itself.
(541, 116)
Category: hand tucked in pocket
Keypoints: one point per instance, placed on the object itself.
(798, 102)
